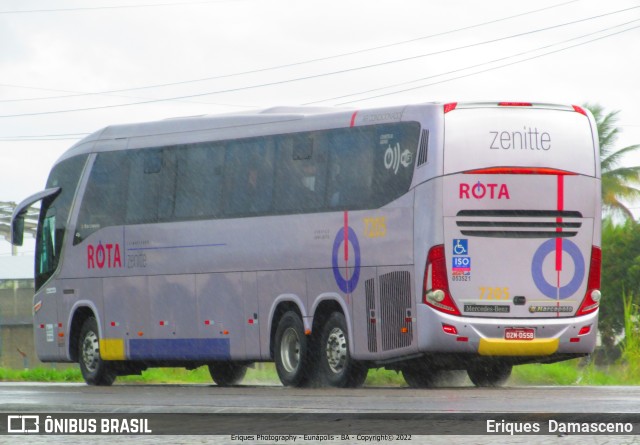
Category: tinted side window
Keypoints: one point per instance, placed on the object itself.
(351, 167)
(199, 181)
(151, 187)
(301, 173)
(371, 166)
(105, 197)
(54, 214)
(394, 158)
(249, 177)
(320, 171)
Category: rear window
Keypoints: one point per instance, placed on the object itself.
(518, 137)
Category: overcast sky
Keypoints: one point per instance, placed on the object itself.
(68, 68)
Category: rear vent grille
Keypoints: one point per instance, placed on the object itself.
(395, 310)
(369, 290)
(519, 223)
(424, 148)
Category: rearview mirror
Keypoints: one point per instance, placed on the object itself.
(17, 230)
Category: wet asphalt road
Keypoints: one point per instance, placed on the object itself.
(25, 398)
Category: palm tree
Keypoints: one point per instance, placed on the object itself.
(618, 183)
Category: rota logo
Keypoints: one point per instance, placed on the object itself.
(484, 191)
(103, 256)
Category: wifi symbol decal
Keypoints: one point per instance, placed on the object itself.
(393, 158)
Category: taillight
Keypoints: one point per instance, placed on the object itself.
(518, 171)
(591, 300)
(450, 107)
(515, 104)
(578, 109)
(435, 291)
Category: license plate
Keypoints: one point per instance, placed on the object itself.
(519, 334)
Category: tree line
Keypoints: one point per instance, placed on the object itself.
(620, 230)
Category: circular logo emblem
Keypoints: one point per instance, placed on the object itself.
(555, 291)
(345, 237)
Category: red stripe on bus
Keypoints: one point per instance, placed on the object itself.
(353, 118)
(560, 200)
(346, 236)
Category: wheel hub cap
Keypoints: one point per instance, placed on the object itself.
(336, 350)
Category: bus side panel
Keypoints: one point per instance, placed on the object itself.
(252, 317)
(72, 296)
(126, 315)
(172, 317)
(45, 324)
(428, 233)
(220, 315)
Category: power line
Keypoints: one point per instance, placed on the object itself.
(62, 136)
(54, 138)
(471, 66)
(37, 139)
(289, 65)
(103, 93)
(490, 69)
(96, 8)
(316, 75)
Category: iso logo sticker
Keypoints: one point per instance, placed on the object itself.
(461, 264)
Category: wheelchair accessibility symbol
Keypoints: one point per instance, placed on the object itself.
(557, 291)
(460, 247)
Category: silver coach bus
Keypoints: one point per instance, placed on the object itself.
(421, 238)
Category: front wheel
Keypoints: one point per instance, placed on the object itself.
(95, 371)
(337, 368)
(489, 374)
(227, 374)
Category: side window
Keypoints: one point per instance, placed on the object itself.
(105, 197)
(394, 160)
(249, 177)
(371, 166)
(351, 168)
(54, 213)
(151, 188)
(301, 173)
(199, 180)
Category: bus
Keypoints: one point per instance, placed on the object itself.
(423, 238)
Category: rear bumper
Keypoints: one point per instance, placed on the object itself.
(486, 336)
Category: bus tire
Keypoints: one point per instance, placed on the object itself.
(490, 374)
(292, 351)
(337, 368)
(227, 374)
(95, 371)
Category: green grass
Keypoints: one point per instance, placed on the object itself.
(40, 375)
(572, 372)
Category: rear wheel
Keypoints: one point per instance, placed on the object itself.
(292, 351)
(227, 374)
(489, 374)
(337, 368)
(95, 371)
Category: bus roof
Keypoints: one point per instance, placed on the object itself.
(203, 123)
(190, 129)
